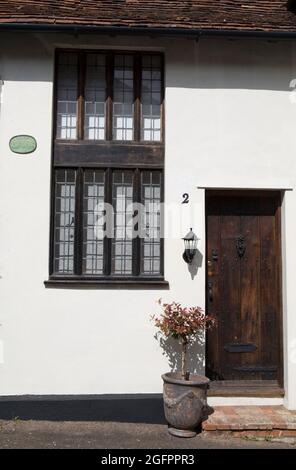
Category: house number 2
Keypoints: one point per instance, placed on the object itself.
(185, 198)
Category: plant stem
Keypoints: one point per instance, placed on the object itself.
(184, 353)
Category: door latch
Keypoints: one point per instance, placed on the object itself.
(210, 291)
(240, 246)
(214, 255)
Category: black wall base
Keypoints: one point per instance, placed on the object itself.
(120, 408)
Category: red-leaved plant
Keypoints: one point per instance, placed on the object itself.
(182, 324)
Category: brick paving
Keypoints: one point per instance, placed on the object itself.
(261, 421)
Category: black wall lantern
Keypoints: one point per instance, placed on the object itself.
(190, 244)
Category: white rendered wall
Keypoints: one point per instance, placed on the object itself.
(229, 123)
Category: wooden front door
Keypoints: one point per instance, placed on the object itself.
(244, 285)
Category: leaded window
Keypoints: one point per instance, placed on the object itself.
(151, 98)
(67, 96)
(108, 159)
(92, 249)
(95, 97)
(64, 225)
(123, 98)
(109, 96)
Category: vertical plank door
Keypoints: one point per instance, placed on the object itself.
(244, 285)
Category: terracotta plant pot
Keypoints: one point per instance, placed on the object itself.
(185, 402)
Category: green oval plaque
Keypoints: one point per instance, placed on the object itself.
(23, 144)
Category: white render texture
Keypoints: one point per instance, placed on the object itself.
(230, 123)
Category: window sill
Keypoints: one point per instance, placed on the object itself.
(107, 283)
(133, 143)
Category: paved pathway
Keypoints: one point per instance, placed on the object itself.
(111, 435)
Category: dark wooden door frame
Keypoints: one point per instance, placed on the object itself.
(251, 388)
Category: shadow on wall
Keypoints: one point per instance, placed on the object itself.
(172, 350)
(254, 64)
(116, 408)
(26, 58)
(137, 408)
(231, 63)
(196, 264)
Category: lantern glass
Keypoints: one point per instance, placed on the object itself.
(190, 244)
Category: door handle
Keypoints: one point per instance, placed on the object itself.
(214, 255)
(210, 291)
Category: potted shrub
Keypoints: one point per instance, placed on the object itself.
(184, 393)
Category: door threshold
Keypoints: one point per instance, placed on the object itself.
(245, 388)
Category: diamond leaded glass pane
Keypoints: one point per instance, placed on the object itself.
(64, 223)
(123, 98)
(151, 245)
(122, 187)
(95, 97)
(93, 222)
(151, 97)
(67, 96)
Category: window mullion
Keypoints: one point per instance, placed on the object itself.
(108, 241)
(52, 222)
(162, 110)
(137, 97)
(136, 247)
(81, 94)
(109, 93)
(78, 237)
(162, 224)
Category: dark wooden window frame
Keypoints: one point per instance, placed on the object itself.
(80, 154)
(81, 79)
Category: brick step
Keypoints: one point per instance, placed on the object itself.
(253, 434)
(250, 418)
